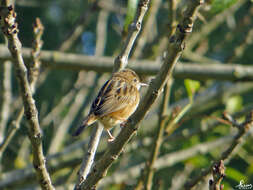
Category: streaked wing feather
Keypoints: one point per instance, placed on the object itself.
(108, 100)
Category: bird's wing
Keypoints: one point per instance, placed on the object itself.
(113, 96)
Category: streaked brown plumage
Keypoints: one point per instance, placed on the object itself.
(115, 102)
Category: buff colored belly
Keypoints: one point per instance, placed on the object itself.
(109, 121)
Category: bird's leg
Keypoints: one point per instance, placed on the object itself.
(111, 138)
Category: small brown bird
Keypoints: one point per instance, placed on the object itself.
(115, 102)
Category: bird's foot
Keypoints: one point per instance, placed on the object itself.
(111, 138)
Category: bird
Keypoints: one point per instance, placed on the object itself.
(115, 103)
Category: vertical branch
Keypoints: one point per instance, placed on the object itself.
(34, 67)
(89, 156)
(97, 131)
(101, 32)
(33, 72)
(149, 167)
(211, 26)
(134, 29)
(149, 170)
(172, 26)
(6, 98)
(218, 172)
(154, 7)
(238, 51)
(10, 30)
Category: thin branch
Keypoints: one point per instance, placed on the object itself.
(5, 98)
(163, 42)
(133, 31)
(56, 160)
(33, 73)
(89, 157)
(213, 24)
(79, 27)
(101, 32)
(180, 177)
(238, 51)
(73, 111)
(148, 26)
(49, 117)
(97, 131)
(149, 170)
(68, 61)
(10, 30)
(118, 64)
(218, 172)
(243, 129)
(174, 52)
(166, 160)
(63, 127)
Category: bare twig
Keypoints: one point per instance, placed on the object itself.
(238, 52)
(212, 25)
(10, 30)
(101, 35)
(243, 129)
(68, 61)
(218, 172)
(5, 98)
(133, 31)
(97, 131)
(62, 129)
(163, 42)
(33, 72)
(34, 67)
(148, 26)
(149, 170)
(89, 157)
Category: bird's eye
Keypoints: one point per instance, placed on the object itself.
(135, 80)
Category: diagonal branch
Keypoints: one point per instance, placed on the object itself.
(119, 63)
(134, 29)
(243, 129)
(33, 72)
(5, 98)
(98, 129)
(10, 30)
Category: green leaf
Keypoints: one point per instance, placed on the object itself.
(234, 104)
(192, 87)
(221, 5)
(235, 174)
(131, 10)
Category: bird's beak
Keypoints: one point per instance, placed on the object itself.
(143, 84)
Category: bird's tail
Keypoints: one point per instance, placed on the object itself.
(88, 121)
